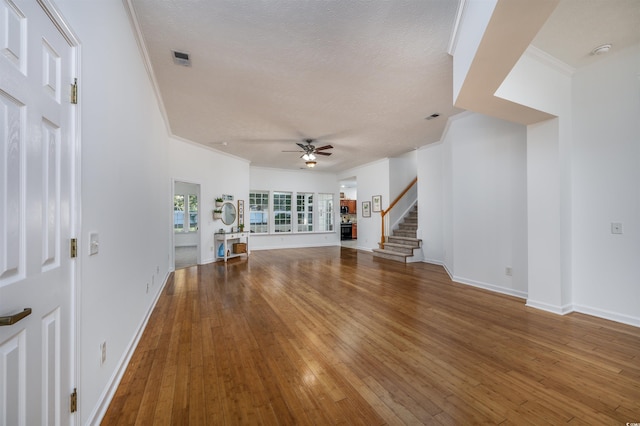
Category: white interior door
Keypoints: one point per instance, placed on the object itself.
(36, 206)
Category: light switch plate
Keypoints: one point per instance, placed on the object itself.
(94, 243)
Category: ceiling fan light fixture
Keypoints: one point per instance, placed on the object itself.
(311, 164)
(306, 157)
(312, 157)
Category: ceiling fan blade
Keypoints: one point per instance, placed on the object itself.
(303, 146)
(292, 151)
(324, 147)
(323, 153)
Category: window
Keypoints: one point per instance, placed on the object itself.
(178, 213)
(325, 212)
(291, 212)
(304, 211)
(181, 212)
(193, 213)
(282, 211)
(259, 212)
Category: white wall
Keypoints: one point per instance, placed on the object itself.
(606, 176)
(350, 193)
(217, 173)
(583, 175)
(125, 195)
(264, 179)
(430, 202)
(488, 202)
(373, 179)
(540, 81)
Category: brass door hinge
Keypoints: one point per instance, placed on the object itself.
(74, 91)
(74, 248)
(73, 406)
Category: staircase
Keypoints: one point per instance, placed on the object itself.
(401, 244)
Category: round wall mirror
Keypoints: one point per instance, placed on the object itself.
(228, 213)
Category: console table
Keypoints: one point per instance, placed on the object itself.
(228, 239)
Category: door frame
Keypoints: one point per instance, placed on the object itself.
(173, 234)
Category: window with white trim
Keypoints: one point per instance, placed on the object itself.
(259, 212)
(185, 216)
(325, 212)
(304, 211)
(282, 211)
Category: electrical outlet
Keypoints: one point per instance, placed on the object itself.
(508, 271)
(103, 352)
(616, 228)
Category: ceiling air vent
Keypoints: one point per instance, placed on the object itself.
(181, 58)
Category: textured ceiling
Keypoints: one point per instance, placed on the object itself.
(359, 75)
(576, 27)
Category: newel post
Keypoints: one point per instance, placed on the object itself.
(382, 213)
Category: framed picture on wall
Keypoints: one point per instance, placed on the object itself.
(377, 203)
(240, 212)
(366, 209)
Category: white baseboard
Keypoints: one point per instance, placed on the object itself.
(491, 287)
(291, 246)
(440, 263)
(608, 315)
(554, 309)
(101, 407)
(478, 284)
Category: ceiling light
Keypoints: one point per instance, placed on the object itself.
(306, 157)
(601, 50)
(311, 164)
(312, 157)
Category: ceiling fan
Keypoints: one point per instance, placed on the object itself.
(309, 151)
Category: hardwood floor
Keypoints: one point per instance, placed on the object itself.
(332, 336)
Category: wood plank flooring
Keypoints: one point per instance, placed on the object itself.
(334, 336)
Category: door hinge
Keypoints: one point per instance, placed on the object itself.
(73, 406)
(74, 91)
(74, 248)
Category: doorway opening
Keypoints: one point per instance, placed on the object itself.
(349, 212)
(186, 224)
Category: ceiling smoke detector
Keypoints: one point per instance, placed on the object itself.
(601, 50)
(181, 58)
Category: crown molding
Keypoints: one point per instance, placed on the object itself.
(551, 61)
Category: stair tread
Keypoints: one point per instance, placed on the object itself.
(400, 246)
(405, 238)
(391, 252)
